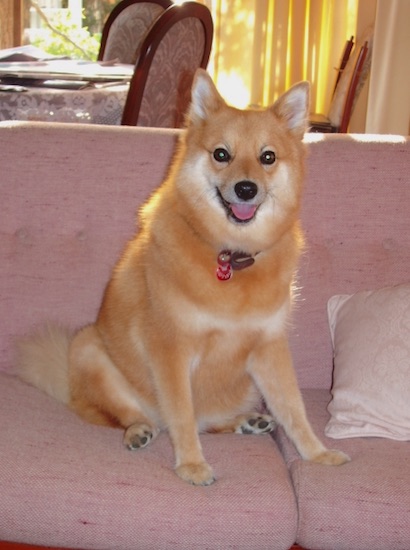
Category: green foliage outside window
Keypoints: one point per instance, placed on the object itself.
(69, 40)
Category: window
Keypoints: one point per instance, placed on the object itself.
(65, 27)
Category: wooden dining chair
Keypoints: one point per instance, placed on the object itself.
(348, 88)
(347, 50)
(177, 44)
(126, 27)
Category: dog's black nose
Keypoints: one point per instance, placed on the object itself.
(246, 190)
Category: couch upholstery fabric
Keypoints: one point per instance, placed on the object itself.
(65, 482)
(364, 505)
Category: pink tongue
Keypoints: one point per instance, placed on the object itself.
(243, 211)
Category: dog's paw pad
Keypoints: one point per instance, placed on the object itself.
(256, 424)
(138, 436)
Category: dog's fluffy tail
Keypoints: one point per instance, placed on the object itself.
(42, 361)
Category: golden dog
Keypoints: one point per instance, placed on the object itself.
(192, 328)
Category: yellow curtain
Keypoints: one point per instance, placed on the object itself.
(262, 47)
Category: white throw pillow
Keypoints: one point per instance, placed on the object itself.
(371, 381)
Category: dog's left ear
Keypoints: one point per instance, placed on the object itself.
(293, 107)
(205, 97)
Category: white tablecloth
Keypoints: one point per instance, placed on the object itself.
(89, 105)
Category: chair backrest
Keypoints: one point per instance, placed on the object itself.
(351, 82)
(354, 88)
(177, 44)
(126, 27)
(343, 60)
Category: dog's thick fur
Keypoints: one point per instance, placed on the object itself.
(173, 346)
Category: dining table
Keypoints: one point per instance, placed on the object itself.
(91, 93)
(89, 105)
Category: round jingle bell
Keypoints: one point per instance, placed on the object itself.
(224, 269)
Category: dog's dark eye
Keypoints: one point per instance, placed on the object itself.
(268, 157)
(221, 155)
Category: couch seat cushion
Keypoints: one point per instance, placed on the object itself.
(363, 504)
(67, 483)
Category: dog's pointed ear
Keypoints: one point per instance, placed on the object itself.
(205, 97)
(293, 108)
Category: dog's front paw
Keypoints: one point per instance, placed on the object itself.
(255, 424)
(139, 436)
(196, 474)
(331, 458)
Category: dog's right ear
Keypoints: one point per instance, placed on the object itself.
(205, 97)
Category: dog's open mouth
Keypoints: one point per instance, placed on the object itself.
(241, 212)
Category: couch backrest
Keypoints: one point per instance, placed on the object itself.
(68, 196)
(356, 217)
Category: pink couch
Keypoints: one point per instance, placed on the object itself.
(68, 200)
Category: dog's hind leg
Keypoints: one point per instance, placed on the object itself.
(255, 423)
(251, 423)
(101, 394)
(139, 435)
